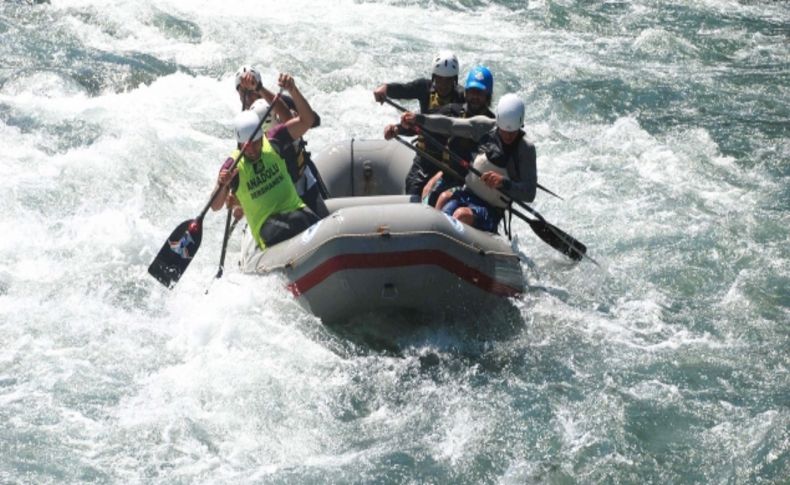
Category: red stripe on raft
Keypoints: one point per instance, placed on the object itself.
(404, 258)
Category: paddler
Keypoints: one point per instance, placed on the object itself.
(506, 160)
(260, 184)
(441, 89)
(255, 96)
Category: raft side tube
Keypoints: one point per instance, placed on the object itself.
(353, 167)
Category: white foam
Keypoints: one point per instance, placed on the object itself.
(243, 382)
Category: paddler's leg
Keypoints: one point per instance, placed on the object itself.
(280, 227)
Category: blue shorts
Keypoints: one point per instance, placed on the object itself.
(441, 185)
(486, 217)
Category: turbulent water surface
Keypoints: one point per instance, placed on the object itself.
(664, 124)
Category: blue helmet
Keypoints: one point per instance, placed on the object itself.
(480, 78)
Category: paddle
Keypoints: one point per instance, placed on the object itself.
(550, 234)
(455, 157)
(225, 238)
(183, 243)
(228, 231)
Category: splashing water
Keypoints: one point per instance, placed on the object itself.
(664, 125)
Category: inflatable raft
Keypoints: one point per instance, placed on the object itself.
(381, 252)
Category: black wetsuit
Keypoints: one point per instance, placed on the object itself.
(423, 91)
(465, 148)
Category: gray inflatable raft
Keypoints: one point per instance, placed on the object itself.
(382, 252)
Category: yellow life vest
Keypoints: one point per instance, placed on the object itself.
(435, 101)
(265, 188)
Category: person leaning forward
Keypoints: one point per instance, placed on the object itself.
(442, 89)
(260, 183)
(506, 161)
(253, 95)
(478, 90)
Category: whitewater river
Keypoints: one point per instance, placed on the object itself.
(663, 124)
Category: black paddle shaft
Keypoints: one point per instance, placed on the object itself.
(183, 243)
(225, 239)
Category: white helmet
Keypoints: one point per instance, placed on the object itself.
(445, 64)
(246, 122)
(510, 113)
(245, 69)
(260, 107)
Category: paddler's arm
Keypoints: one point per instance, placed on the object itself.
(298, 125)
(226, 180)
(250, 83)
(473, 128)
(280, 108)
(524, 189)
(416, 89)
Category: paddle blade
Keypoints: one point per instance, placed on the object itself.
(559, 240)
(177, 253)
